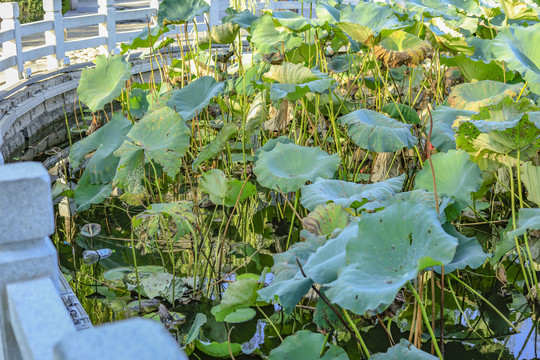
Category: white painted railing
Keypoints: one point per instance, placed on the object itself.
(54, 23)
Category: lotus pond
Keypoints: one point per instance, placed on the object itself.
(362, 183)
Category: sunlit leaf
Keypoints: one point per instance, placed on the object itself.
(472, 96)
(100, 85)
(401, 48)
(267, 39)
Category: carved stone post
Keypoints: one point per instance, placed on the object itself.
(53, 12)
(108, 28)
(26, 252)
(10, 13)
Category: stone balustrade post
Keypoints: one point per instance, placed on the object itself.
(26, 252)
(10, 13)
(53, 12)
(108, 28)
(213, 15)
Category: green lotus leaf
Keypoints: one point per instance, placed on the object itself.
(529, 219)
(106, 140)
(240, 315)
(524, 136)
(455, 174)
(151, 220)
(225, 192)
(531, 180)
(138, 103)
(161, 136)
(289, 285)
(366, 20)
(376, 132)
(240, 294)
(244, 18)
(191, 99)
(287, 167)
(200, 320)
(87, 194)
(180, 11)
(306, 345)
(427, 198)
(271, 144)
(295, 80)
(147, 39)
(443, 136)
(408, 233)
(217, 145)
(328, 13)
(403, 351)
(402, 112)
(517, 10)
(294, 21)
(345, 193)
(472, 96)
(401, 48)
(218, 349)
(267, 39)
(101, 85)
(468, 252)
(326, 218)
(341, 63)
(501, 116)
(220, 34)
(445, 40)
(447, 9)
(516, 46)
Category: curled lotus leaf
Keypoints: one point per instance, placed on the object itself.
(345, 193)
(220, 34)
(295, 80)
(306, 345)
(404, 351)
(376, 132)
(102, 84)
(147, 38)
(517, 47)
(180, 11)
(364, 21)
(455, 175)
(271, 144)
(401, 48)
(267, 39)
(287, 167)
(473, 96)
(407, 232)
(326, 218)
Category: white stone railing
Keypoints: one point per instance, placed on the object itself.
(54, 24)
(34, 321)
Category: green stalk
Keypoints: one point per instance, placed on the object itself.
(485, 300)
(426, 321)
(357, 333)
